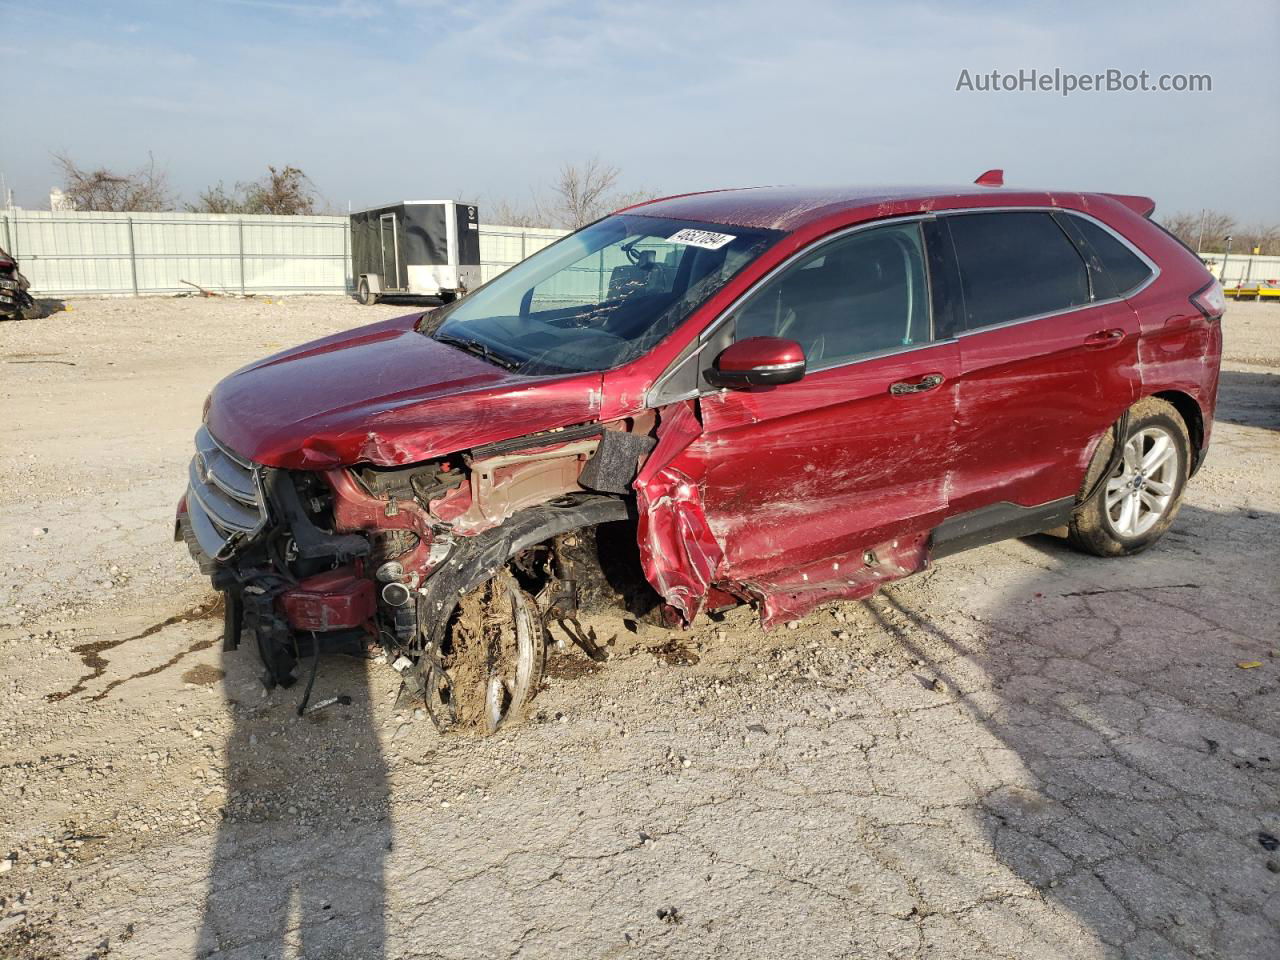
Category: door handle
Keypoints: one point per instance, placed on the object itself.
(1104, 338)
(927, 382)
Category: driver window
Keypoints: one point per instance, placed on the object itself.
(865, 293)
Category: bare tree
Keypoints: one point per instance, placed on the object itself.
(1183, 226)
(1206, 230)
(586, 192)
(628, 197)
(580, 193)
(285, 190)
(217, 199)
(1262, 237)
(143, 190)
(510, 214)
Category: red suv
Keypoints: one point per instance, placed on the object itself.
(775, 396)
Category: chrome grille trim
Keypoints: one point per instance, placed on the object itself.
(224, 497)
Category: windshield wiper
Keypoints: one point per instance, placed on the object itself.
(478, 349)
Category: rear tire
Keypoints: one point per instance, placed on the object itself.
(364, 294)
(1140, 498)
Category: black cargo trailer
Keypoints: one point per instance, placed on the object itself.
(427, 248)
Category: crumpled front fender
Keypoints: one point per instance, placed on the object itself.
(678, 552)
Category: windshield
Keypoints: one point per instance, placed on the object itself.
(600, 297)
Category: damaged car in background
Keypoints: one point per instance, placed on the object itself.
(16, 302)
(776, 397)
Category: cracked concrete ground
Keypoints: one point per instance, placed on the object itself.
(1024, 753)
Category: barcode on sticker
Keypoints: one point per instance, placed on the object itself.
(706, 239)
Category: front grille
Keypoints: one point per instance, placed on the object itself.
(224, 499)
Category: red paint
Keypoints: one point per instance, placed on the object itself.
(336, 600)
(387, 395)
(1034, 396)
(678, 550)
(1030, 403)
(755, 352)
(773, 493)
(807, 474)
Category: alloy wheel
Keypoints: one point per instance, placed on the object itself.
(1140, 490)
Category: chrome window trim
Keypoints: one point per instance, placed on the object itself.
(1066, 211)
(652, 400)
(804, 252)
(1037, 316)
(887, 352)
(1128, 244)
(779, 366)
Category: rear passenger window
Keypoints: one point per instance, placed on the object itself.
(1015, 265)
(1116, 269)
(862, 294)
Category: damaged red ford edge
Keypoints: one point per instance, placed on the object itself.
(775, 397)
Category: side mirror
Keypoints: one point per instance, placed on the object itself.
(759, 362)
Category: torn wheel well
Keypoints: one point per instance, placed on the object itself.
(1192, 416)
(476, 559)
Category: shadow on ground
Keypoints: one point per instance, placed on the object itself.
(428, 303)
(298, 866)
(1096, 775)
(1250, 399)
(1152, 757)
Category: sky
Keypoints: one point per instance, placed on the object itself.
(380, 100)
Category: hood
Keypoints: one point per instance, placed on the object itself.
(387, 395)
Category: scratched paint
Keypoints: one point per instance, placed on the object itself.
(773, 494)
(385, 395)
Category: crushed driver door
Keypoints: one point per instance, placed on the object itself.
(822, 488)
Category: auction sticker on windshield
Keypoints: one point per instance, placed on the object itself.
(701, 238)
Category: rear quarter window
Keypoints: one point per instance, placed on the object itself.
(1117, 270)
(1015, 265)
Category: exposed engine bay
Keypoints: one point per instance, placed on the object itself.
(452, 569)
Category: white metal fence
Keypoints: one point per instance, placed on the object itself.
(78, 254)
(1242, 268)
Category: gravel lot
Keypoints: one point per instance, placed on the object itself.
(1025, 752)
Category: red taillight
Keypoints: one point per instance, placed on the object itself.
(1210, 301)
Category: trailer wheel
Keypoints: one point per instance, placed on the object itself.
(364, 294)
(448, 296)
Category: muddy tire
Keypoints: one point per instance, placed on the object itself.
(497, 652)
(364, 294)
(1138, 501)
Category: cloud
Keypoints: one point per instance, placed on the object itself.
(413, 96)
(348, 9)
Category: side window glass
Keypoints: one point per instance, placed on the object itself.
(863, 294)
(1015, 265)
(1116, 269)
